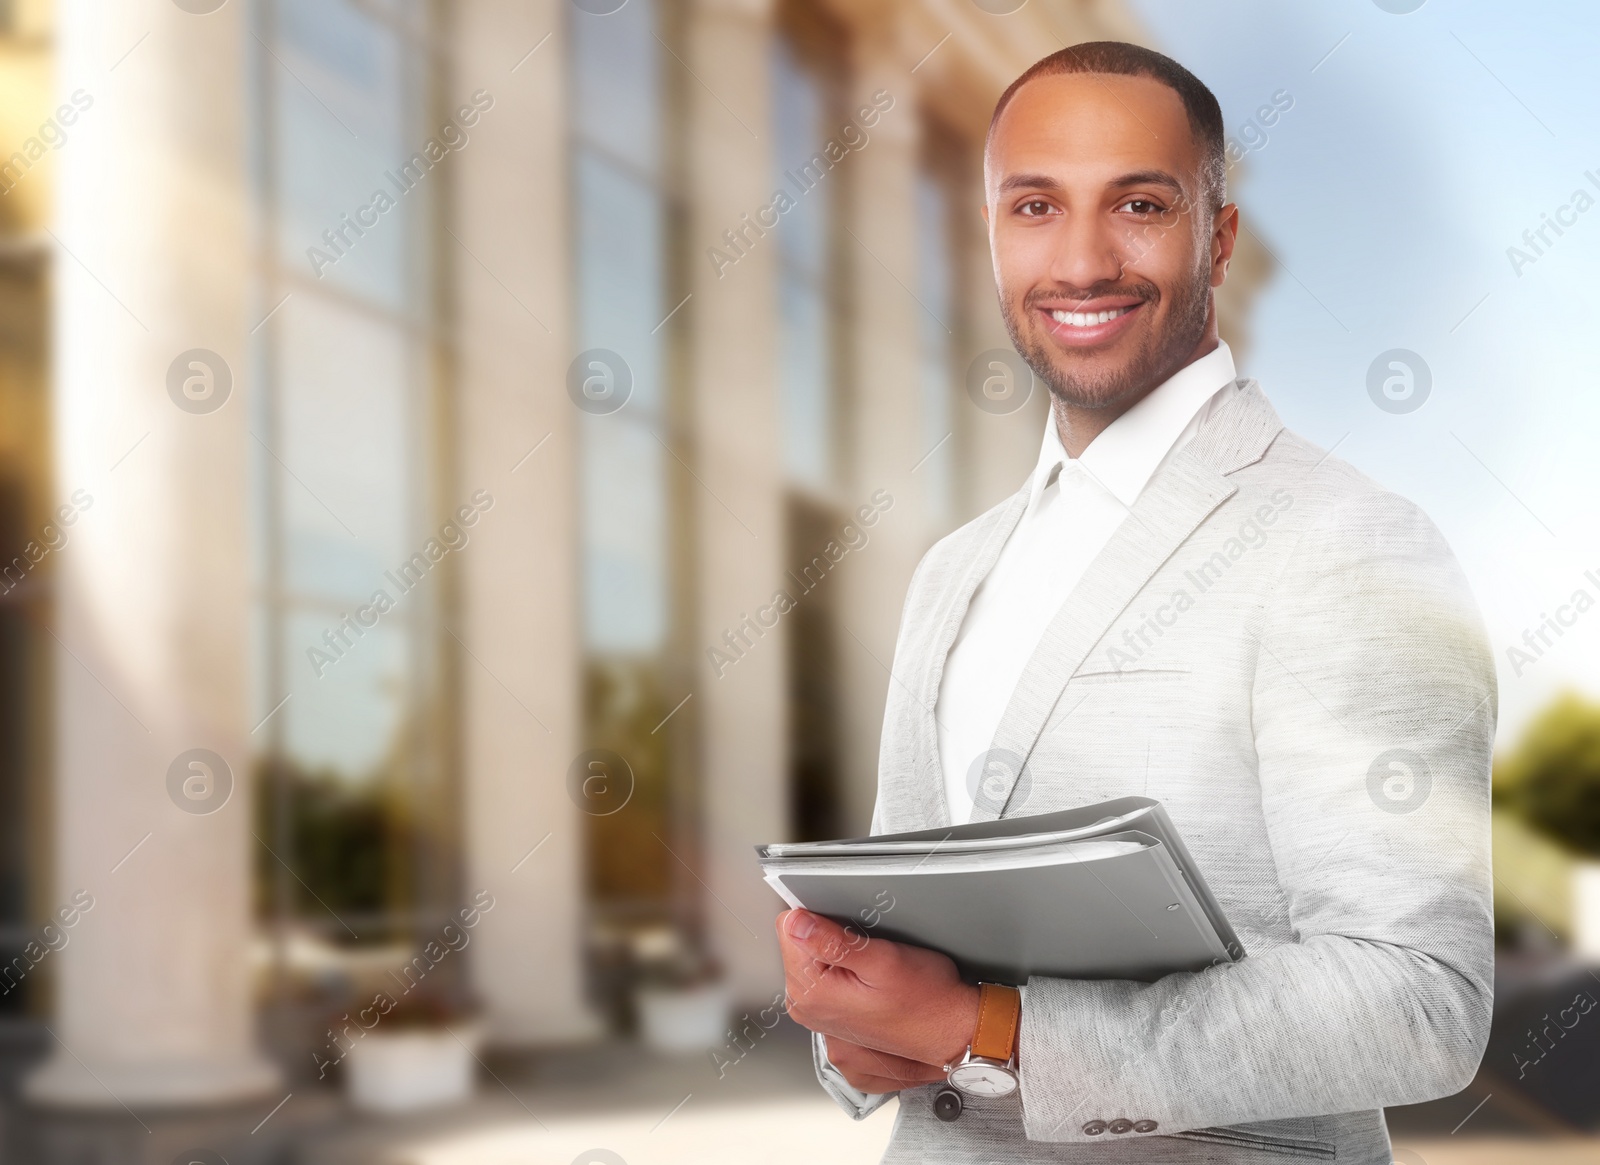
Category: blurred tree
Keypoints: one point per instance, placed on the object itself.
(627, 866)
(348, 842)
(1551, 778)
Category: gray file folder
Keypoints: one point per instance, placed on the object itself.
(1107, 891)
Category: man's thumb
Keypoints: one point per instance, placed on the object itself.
(825, 940)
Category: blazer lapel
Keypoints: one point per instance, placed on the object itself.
(1174, 504)
(923, 795)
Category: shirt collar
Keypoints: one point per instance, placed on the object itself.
(1126, 454)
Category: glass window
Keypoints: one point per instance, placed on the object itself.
(809, 81)
(345, 117)
(346, 697)
(630, 530)
(801, 115)
(343, 440)
(621, 267)
(616, 84)
(620, 274)
(624, 521)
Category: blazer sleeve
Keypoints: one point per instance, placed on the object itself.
(1373, 707)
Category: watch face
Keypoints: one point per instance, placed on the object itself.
(978, 1078)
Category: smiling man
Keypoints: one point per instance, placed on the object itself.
(1184, 601)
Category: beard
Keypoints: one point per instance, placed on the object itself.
(1158, 356)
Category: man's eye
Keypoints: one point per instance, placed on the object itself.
(1035, 208)
(1142, 206)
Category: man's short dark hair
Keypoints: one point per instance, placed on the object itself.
(1131, 60)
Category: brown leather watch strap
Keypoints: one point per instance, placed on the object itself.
(999, 1013)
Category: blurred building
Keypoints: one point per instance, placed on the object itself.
(463, 449)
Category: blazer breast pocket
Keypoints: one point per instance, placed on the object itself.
(1130, 675)
(1264, 1138)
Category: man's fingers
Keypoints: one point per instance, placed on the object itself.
(826, 941)
(843, 1052)
(873, 1071)
(877, 1084)
(800, 968)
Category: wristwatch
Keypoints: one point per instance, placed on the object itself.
(990, 1066)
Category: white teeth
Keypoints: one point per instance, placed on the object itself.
(1078, 319)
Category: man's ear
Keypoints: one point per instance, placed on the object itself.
(984, 210)
(1223, 237)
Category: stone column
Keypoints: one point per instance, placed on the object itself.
(886, 400)
(738, 502)
(151, 887)
(519, 663)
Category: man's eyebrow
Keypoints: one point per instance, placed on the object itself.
(1028, 182)
(1161, 178)
(1147, 178)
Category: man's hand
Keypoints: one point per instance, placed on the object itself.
(895, 1013)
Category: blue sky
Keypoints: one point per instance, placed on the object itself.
(1419, 149)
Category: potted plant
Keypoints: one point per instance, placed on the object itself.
(415, 1050)
(680, 995)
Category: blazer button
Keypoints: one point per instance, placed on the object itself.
(947, 1104)
(1120, 1125)
(1094, 1128)
(1144, 1126)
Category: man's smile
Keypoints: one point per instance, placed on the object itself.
(1091, 324)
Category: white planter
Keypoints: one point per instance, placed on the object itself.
(403, 1071)
(683, 1019)
(1586, 910)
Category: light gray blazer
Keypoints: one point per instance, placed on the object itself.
(1289, 658)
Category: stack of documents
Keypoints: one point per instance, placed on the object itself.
(1106, 891)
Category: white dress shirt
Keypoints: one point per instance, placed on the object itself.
(1074, 506)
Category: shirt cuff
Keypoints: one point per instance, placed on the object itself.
(855, 1102)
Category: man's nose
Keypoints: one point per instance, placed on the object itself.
(1088, 252)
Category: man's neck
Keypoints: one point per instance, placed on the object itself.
(1078, 427)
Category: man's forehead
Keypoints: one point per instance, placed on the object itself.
(1094, 123)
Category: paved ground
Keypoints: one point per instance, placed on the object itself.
(794, 1132)
(1503, 1151)
(806, 1132)
(644, 1110)
(761, 1108)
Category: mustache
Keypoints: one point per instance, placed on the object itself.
(1039, 296)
